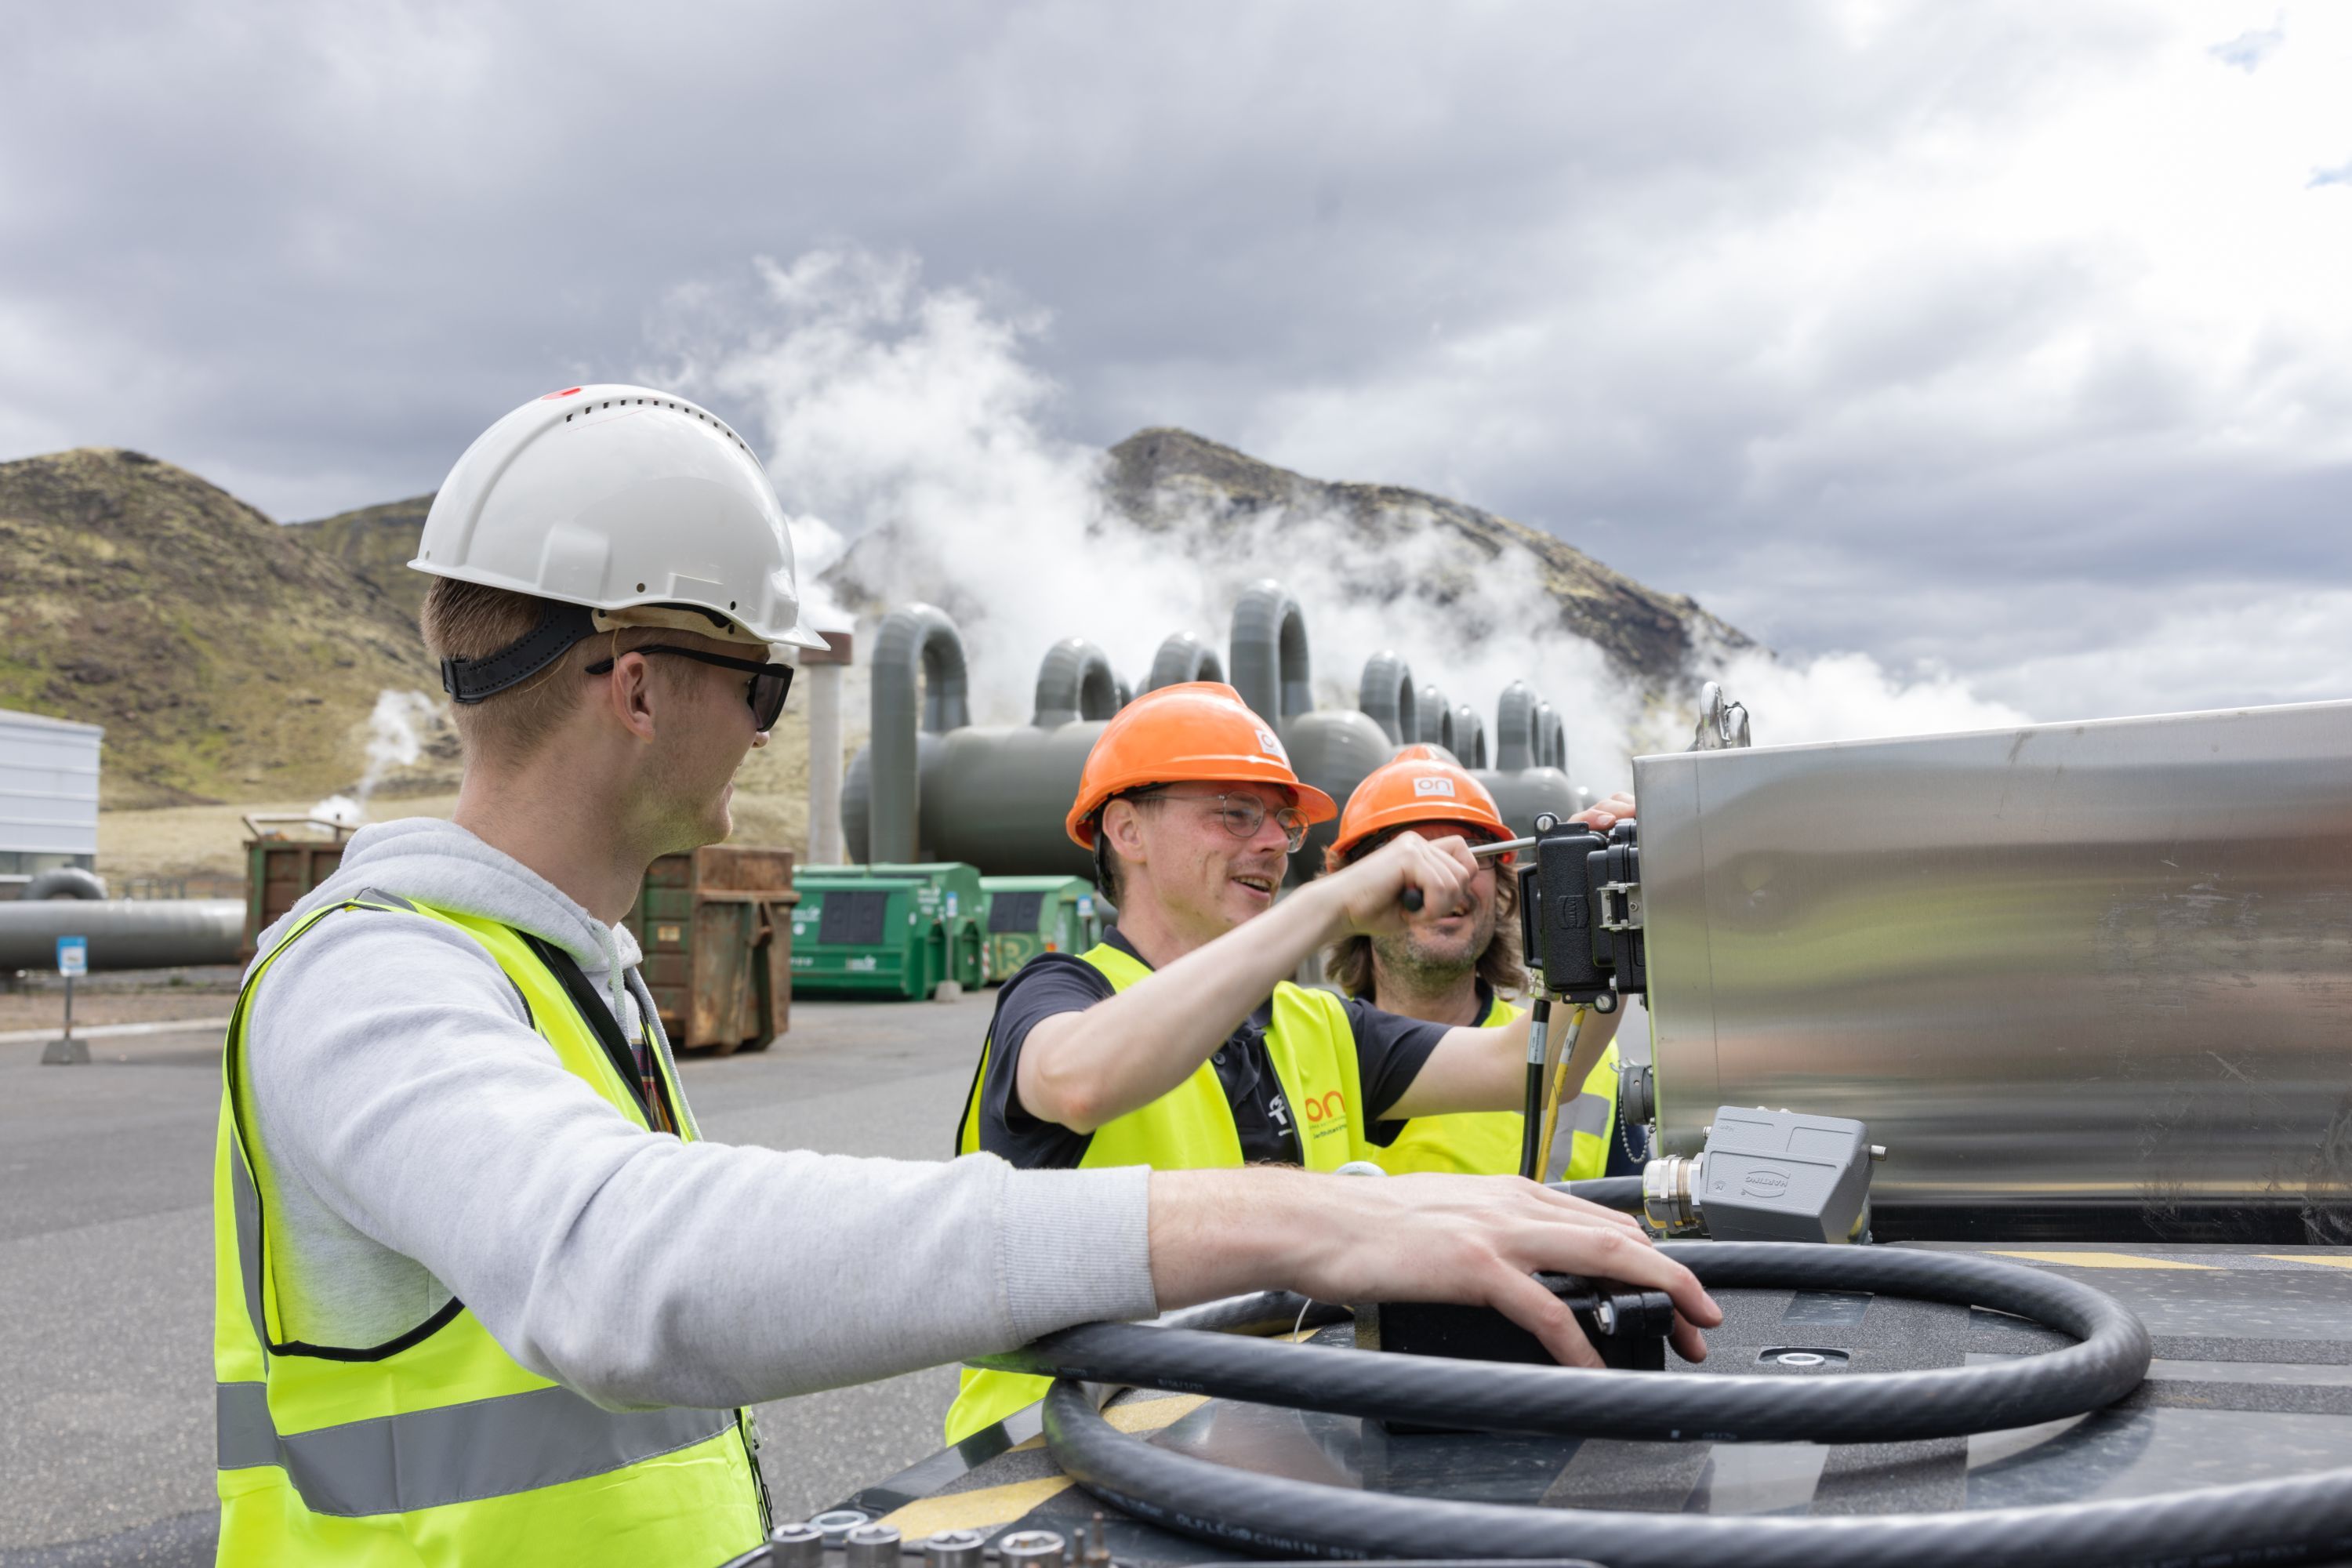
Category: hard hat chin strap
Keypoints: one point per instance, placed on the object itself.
(469, 680)
(561, 625)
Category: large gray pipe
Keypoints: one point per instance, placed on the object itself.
(1387, 697)
(1075, 682)
(1271, 671)
(917, 644)
(1270, 664)
(1470, 736)
(1530, 741)
(1183, 658)
(1551, 738)
(1437, 717)
(1515, 729)
(124, 933)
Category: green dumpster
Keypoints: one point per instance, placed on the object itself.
(886, 931)
(1029, 915)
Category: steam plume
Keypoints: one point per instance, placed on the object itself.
(911, 438)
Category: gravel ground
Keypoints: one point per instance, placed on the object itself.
(105, 1259)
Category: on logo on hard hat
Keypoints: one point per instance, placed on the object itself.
(1432, 786)
(1268, 744)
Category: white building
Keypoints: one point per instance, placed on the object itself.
(49, 796)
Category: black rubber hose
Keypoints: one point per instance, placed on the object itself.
(1878, 1407)
(1263, 1312)
(1622, 1193)
(2266, 1522)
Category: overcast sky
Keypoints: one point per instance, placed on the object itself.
(2006, 340)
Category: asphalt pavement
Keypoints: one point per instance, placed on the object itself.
(105, 1257)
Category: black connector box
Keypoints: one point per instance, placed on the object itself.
(1627, 1326)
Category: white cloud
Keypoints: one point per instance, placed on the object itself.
(909, 420)
(2250, 48)
(1959, 335)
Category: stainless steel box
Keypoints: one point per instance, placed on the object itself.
(2081, 980)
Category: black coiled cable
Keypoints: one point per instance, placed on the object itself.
(2271, 1521)
(1883, 1407)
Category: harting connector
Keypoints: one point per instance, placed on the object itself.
(1667, 1186)
(1766, 1175)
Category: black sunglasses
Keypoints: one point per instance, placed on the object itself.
(769, 683)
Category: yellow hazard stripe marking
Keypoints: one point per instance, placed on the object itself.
(2108, 1260)
(984, 1508)
(1138, 1416)
(2332, 1261)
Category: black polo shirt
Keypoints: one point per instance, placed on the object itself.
(1390, 1052)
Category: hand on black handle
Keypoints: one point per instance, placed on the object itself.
(1411, 900)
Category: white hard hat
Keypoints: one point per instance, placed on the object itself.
(625, 501)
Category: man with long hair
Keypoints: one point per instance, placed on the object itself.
(1456, 962)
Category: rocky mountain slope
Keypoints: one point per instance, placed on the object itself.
(227, 657)
(235, 660)
(1176, 481)
(377, 542)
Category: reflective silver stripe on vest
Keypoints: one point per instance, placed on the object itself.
(247, 1205)
(459, 1453)
(1587, 1114)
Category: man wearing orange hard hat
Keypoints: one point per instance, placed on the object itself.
(1454, 964)
(1179, 1042)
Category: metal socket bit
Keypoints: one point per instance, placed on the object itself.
(795, 1545)
(1034, 1548)
(954, 1549)
(837, 1524)
(873, 1546)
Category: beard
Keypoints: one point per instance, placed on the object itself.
(1430, 963)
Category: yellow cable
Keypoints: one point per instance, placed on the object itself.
(1552, 1095)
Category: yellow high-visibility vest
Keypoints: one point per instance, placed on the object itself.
(438, 1447)
(1312, 1045)
(1487, 1142)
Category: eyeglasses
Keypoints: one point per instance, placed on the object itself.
(769, 685)
(1244, 814)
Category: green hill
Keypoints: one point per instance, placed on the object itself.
(229, 659)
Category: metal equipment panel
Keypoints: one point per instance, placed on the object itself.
(49, 792)
(2079, 978)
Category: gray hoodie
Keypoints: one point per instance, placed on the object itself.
(425, 1142)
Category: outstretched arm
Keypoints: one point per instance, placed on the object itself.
(1083, 1069)
(1478, 1240)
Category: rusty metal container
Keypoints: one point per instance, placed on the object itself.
(285, 857)
(717, 930)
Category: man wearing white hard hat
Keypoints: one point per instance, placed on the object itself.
(484, 1293)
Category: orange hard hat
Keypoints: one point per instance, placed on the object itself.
(1420, 784)
(1201, 731)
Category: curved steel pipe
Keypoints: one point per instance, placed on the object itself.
(64, 882)
(1469, 744)
(1183, 658)
(918, 643)
(1551, 737)
(1076, 681)
(1271, 667)
(1437, 717)
(1515, 729)
(1388, 697)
